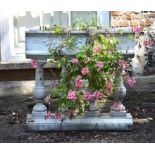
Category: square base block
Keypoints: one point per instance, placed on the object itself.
(118, 114)
(103, 122)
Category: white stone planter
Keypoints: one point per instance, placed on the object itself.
(39, 43)
(37, 47)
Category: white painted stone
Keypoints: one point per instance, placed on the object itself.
(118, 114)
(139, 59)
(105, 122)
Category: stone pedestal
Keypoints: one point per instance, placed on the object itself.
(39, 93)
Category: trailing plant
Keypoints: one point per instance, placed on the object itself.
(57, 29)
(91, 74)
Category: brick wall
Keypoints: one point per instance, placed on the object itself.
(132, 18)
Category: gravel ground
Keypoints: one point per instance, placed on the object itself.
(13, 110)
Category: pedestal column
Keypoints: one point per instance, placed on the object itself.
(39, 92)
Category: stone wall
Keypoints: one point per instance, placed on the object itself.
(142, 61)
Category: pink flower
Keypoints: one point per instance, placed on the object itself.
(122, 64)
(88, 96)
(34, 63)
(48, 115)
(100, 64)
(117, 106)
(74, 60)
(137, 29)
(96, 48)
(148, 42)
(47, 99)
(78, 82)
(56, 115)
(84, 70)
(131, 81)
(98, 95)
(71, 95)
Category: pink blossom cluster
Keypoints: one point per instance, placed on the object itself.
(88, 96)
(78, 82)
(74, 60)
(56, 115)
(137, 29)
(148, 42)
(100, 64)
(71, 95)
(117, 106)
(122, 64)
(96, 48)
(34, 63)
(131, 81)
(84, 70)
(98, 95)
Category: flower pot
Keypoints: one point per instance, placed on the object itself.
(38, 44)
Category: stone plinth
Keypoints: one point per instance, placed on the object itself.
(104, 122)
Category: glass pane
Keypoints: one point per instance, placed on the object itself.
(85, 16)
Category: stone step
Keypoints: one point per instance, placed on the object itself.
(143, 84)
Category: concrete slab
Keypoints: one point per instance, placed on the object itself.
(104, 122)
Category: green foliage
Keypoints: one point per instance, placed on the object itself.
(96, 79)
(57, 29)
(78, 24)
(120, 31)
(69, 42)
(131, 37)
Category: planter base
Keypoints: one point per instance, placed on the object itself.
(104, 122)
(118, 114)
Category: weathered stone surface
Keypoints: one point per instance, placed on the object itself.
(118, 114)
(84, 123)
(39, 43)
